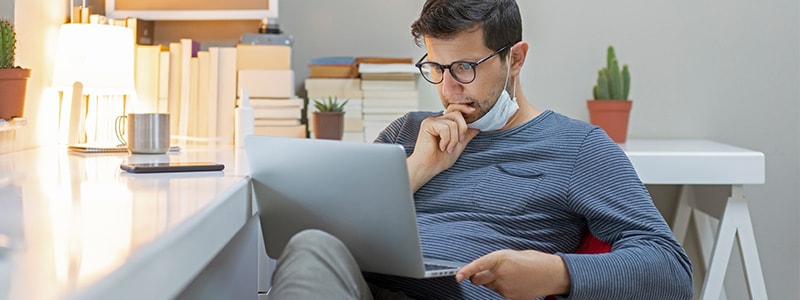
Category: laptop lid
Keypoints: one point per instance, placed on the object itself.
(358, 192)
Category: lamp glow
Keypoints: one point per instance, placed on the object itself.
(98, 56)
(96, 60)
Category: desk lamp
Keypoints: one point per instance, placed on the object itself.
(95, 63)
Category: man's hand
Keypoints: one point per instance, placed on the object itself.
(519, 274)
(439, 144)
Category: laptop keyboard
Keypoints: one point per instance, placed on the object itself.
(434, 267)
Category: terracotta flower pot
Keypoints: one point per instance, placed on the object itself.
(329, 125)
(612, 116)
(13, 85)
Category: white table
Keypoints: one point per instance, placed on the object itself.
(696, 164)
(72, 226)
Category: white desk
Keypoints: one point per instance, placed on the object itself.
(696, 164)
(72, 226)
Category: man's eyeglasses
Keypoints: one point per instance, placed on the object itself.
(462, 71)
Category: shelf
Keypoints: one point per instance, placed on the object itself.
(14, 124)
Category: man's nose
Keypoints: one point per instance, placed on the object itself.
(449, 84)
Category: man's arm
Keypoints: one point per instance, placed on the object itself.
(646, 262)
(440, 142)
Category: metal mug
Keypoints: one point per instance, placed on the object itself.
(147, 133)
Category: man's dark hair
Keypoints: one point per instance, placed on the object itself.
(444, 19)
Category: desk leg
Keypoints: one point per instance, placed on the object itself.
(704, 227)
(683, 214)
(735, 220)
(703, 224)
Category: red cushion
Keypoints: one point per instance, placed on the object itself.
(589, 245)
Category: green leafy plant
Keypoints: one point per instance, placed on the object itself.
(332, 104)
(612, 84)
(8, 41)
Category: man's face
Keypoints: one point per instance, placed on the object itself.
(490, 76)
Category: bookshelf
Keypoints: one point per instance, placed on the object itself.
(193, 10)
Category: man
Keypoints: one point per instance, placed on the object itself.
(503, 185)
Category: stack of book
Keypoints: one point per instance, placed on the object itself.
(338, 80)
(265, 72)
(196, 87)
(390, 90)
(333, 67)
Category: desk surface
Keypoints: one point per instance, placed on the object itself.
(694, 162)
(74, 226)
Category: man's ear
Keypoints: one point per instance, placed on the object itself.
(519, 52)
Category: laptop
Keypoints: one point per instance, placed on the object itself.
(358, 192)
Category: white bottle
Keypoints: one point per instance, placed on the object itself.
(243, 116)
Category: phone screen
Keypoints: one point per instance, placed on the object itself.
(171, 167)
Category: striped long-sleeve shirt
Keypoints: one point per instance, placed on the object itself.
(540, 186)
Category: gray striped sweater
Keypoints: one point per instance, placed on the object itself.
(540, 186)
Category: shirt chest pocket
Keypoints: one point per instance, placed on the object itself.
(508, 188)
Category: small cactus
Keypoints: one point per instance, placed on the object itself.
(8, 41)
(611, 83)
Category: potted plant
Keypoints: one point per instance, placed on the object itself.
(329, 118)
(13, 79)
(610, 108)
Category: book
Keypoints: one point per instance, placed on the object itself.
(333, 71)
(388, 110)
(381, 94)
(333, 60)
(202, 121)
(226, 94)
(384, 60)
(267, 83)
(341, 94)
(380, 103)
(174, 96)
(298, 131)
(273, 103)
(146, 74)
(385, 85)
(163, 81)
(193, 111)
(333, 84)
(388, 76)
(276, 122)
(263, 57)
(278, 113)
(189, 49)
(387, 68)
(213, 91)
(381, 118)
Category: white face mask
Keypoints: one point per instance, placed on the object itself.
(501, 112)
(498, 116)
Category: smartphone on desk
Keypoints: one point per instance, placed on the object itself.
(166, 167)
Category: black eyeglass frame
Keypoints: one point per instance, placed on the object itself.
(472, 65)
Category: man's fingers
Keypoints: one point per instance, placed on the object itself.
(448, 132)
(444, 132)
(483, 263)
(485, 278)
